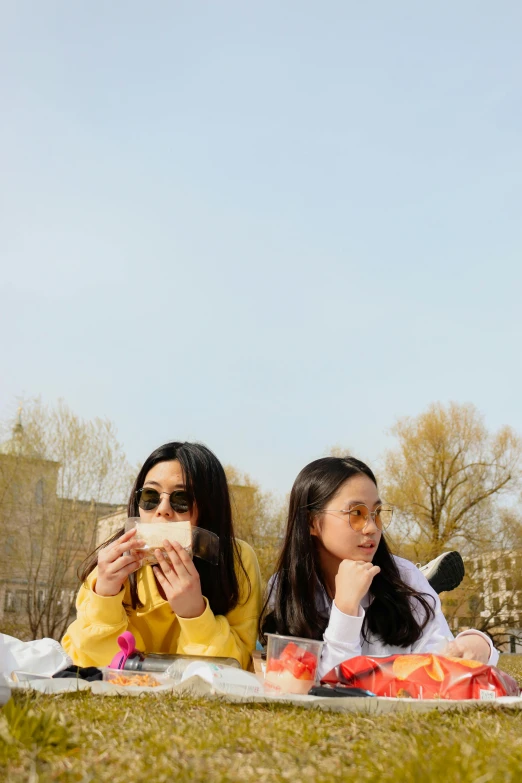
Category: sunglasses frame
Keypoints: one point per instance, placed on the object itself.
(347, 512)
(184, 492)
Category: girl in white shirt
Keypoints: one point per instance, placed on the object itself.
(337, 580)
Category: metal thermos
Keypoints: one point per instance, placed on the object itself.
(157, 662)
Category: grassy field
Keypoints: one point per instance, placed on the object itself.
(79, 737)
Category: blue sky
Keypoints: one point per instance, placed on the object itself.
(272, 226)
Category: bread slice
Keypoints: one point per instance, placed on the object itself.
(155, 533)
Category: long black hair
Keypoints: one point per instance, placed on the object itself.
(291, 605)
(207, 488)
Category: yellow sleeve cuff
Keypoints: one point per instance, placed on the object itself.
(199, 630)
(105, 609)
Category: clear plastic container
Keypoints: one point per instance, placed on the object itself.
(291, 663)
(176, 670)
(124, 678)
(259, 662)
(224, 679)
(197, 541)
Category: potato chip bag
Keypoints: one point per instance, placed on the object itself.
(423, 676)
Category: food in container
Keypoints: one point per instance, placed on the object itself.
(131, 659)
(136, 679)
(224, 679)
(197, 541)
(291, 663)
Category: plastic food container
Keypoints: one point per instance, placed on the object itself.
(291, 663)
(224, 679)
(125, 678)
(197, 541)
(259, 662)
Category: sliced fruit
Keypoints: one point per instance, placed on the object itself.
(275, 665)
(309, 660)
(291, 652)
(295, 668)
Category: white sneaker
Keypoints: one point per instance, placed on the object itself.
(445, 572)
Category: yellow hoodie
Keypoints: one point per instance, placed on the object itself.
(91, 640)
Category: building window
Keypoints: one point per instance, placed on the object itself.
(16, 492)
(10, 545)
(474, 603)
(21, 600)
(39, 493)
(495, 586)
(509, 583)
(9, 601)
(17, 601)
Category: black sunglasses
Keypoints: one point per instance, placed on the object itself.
(148, 499)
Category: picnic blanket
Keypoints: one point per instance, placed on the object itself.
(198, 687)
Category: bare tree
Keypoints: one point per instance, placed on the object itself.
(446, 477)
(258, 518)
(58, 475)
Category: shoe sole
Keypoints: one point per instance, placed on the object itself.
(449, 574)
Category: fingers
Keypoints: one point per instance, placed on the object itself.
(162, 579)
(125, 537)
(126, 571)
(125, 562)
(473, 653)
(452, 650)
(469, 652)
(165, 567)
(121, 546)
(180, 559)
(118, 570)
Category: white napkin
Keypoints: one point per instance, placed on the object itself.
(42, 656)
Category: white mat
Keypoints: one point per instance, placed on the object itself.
(195, 686)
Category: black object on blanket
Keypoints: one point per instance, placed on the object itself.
(338, 690)
(89, 673)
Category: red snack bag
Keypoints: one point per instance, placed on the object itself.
(423, 676)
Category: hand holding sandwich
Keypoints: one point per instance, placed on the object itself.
(116, 562)
(177, 575)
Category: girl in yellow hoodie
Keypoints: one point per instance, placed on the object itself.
(181, 605)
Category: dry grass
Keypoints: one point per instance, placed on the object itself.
(164, 739)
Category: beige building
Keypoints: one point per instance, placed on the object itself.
(46, 537)
(490, 598)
